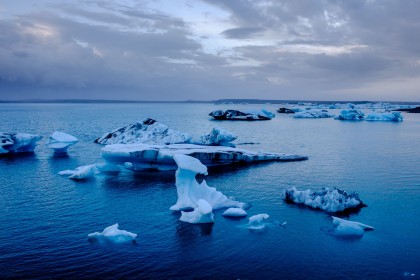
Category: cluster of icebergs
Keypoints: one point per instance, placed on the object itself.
(11, 143)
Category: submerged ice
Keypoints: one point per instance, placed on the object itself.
(11, 143)
(60, 142)
(189, 191)
(89, 171)
(113, 234)
(334, 200)
(202, 214)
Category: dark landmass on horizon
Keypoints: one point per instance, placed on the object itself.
(218, 101)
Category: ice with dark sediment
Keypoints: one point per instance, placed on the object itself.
(152, 132)
(11, 143)
(246, 115)
(60, 142)
(161, 157)
(330, 200)
(190, 192)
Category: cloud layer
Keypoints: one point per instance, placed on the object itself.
(161, 50)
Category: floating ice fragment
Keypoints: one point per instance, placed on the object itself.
(216, 137)
(60, 141)
(235, 212)
(18, 142)
(113, 234)
(390, 117)
(348, 228)
(256, 222)
(202, 214)
(249, 115)
(190, 191)
(351, 115)
(334, 200)
(88, 171)
(313, 114)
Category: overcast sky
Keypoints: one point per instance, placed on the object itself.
(206, 50)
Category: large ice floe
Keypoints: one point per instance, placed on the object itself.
(202, 214)
(113, 234)
(161, 157)
(390, 117)
(190, 192)
(150, 131)
(313, 114)
(89, 171)
(347, 228)
(60, 142)
(248, 115)
(11, 143)
(257, 223)
(330, 200)
(351, 115)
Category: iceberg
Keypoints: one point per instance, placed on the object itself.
(249, 115)
(11, 143)
(113, 234)
(351, 115)
(89, 171)
(202, 214)
(216, 137)
(284, 110)
(60, 141)
(161, 157)
(256, 222)
(190, 191)
(313, 114)
(334, 200)
(235, 212)
(348, 228)
(390, 117)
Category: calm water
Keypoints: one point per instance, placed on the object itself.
(45, 218)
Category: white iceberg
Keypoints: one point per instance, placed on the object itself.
(160, 157)
(313, 114)
(190, 191)
(348, 228)
(256, 222)
(351, 115)
(89, 171)
(235, 212)
(11, 143)
(113, 234)
(152, 132)
(334, 200)
(202, 214)
(248, 115)
(390, 117)
(60, 141)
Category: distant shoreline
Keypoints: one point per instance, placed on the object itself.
(218, 101)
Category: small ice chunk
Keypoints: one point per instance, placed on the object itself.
(202, 214)
(409, 274)
(60, 141)
(235, 212)
(256, 222)
(348, 228)
(113, 234)
(80, 173)
(190, 191)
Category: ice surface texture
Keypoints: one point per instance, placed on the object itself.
(351, 115)
(150, 131)
(334, 200)
(190, 191)
(348, 228)
(160, 157)
(202, 214)
(60, 141)
(313, 114)
(390, 117)
(249, 115)
(18, 142)
(113, 234)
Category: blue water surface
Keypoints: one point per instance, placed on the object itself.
(45, 218)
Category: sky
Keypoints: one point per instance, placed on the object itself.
(210, 49)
